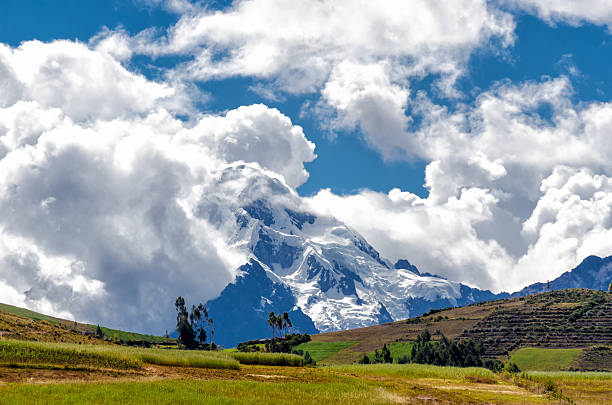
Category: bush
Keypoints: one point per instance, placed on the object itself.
(309, 361)
(494, 365)
(365, 359)
(512, 368)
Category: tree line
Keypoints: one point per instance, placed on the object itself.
(461, 353)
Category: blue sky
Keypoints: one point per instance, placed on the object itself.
(469, 137)
(344, 163)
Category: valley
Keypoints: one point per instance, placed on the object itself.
(70, 363)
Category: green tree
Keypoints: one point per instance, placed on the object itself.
(191, 325)
(308, 360)
(186, 334)
(287, 322)
(272, 322)
(99, 332)
(386, 355)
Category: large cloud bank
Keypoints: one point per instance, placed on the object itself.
(99, 183)
(498, 213)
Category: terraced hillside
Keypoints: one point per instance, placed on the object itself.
(575, 318)
(559, 319)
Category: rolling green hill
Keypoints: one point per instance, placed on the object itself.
(23, 324)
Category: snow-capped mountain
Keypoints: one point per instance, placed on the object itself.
(326, 274)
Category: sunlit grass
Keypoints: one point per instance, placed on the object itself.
(109, 356)
(269, 359)
(319, 351)
(571, 375)
(538, 359)
(200, 392)
(414, 371)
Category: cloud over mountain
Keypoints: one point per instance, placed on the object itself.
(103, 171)
(99, 183)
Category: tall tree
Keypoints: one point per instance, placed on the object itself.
(287, 322)
(272, 322)
(191, 325)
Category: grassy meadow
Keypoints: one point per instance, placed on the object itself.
(320, 351)
(269, 359)
(45, 360)
(581, 387)
(108, 356)
(538, 359)
(284, 385)
(106, 374)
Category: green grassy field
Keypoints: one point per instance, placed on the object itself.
(130, 336)
(26, 313)
(108, 332)
(415, 371)
(581, 387)
(400, 349)
(283, 386)
(109, 356)
(537, 359)
(269, 359)
(257, 384)
(319, 351)
(192, 392)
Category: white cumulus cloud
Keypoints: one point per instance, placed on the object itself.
(100, 187)
(597, 12)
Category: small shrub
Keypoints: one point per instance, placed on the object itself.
(309, 361)
(512, 368)
(365, 359)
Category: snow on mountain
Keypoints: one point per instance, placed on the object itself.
(325, 270)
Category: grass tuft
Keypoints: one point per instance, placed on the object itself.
(269, 359)
(415, 371)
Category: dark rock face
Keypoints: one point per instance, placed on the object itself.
(300, 218)
(406, 265)
(241, 311)
(370, 251)
(258, 209)
(384, 316)
(594, 273)
(269, 251)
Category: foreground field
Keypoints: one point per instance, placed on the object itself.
(54, 373)
(581, 387)
(262, 385)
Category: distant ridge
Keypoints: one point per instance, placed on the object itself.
(594, 273)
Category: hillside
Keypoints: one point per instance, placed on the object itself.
(575, 318)
(22, 324)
